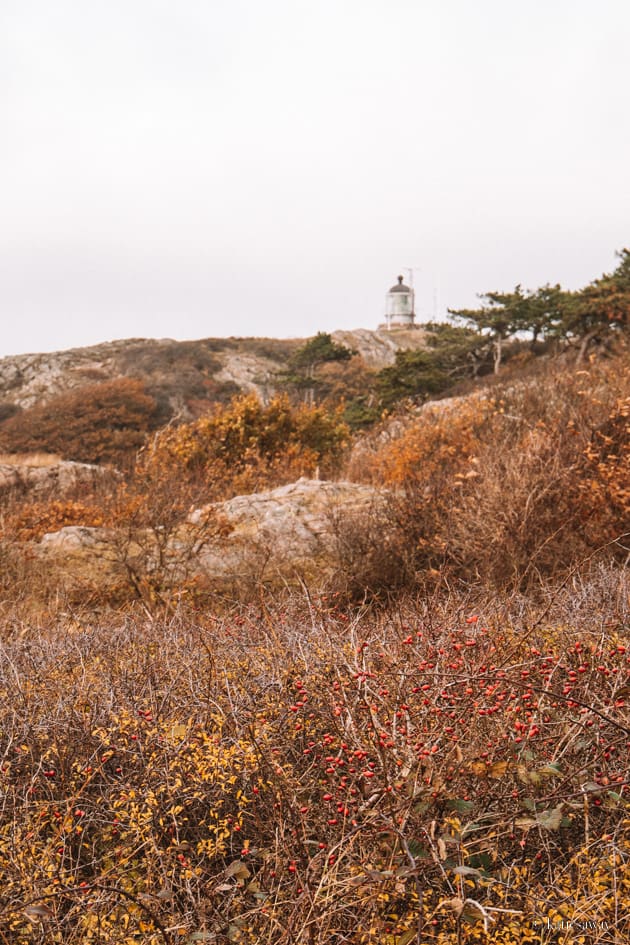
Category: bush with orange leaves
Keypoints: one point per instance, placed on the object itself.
(515, 486)
(29, 521)
(249, 446)
(104, 422)
(606, 484)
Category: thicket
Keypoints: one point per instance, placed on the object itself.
(149, 548)
(104, 422)
(300, 774)
(511, 487)
(249, 445)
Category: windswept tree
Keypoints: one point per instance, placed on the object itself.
(495, 319)
(552, 312)
(601, 307)
(540, 312)
(303, 365)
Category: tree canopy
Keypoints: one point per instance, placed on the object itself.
(553, 312)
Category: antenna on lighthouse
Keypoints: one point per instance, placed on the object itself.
(411, 270)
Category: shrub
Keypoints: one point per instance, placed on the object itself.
(30, 520)
(97, 423)
(512, 486)
(300, 774)
(249, 445)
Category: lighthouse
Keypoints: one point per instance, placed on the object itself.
(399, 306)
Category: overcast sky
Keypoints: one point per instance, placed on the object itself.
(190, 168)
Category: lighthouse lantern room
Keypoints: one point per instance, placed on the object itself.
(399, 306)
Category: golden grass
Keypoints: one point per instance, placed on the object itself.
(34, 460)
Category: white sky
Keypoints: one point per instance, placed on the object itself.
(190, 168)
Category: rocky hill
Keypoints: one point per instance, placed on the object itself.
(178, 372)
(276, 535)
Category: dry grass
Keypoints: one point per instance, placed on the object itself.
(509, 490)
(35, 460)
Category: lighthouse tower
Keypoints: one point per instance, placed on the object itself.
(399, 306)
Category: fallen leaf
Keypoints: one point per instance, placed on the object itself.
(550, 819)
(455, 905)
(498, 769)
(238, 869)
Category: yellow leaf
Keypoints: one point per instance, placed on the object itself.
(498, 769)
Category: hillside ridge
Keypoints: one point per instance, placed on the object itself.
(213, 368)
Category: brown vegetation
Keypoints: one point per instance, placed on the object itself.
(513, 486)
(300, 774)
(432, 748)
(249, 446)
(96, 423)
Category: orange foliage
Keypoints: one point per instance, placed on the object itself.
(442, 441)
(249, 446)
(31, 520)
(605, 489)
(97, 423)
(517, 486)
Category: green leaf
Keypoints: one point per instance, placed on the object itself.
(421, 807)
(613, 799)
(417, 850)
(459, 804)
(481, 861)
(406, 937)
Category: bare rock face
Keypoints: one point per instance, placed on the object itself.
(76, 538)
(378, 348)
(283, 529)
(286, 531)
(48, 476)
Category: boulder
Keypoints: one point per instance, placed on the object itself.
(46, 475)
(281, 533)
(289, 528)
